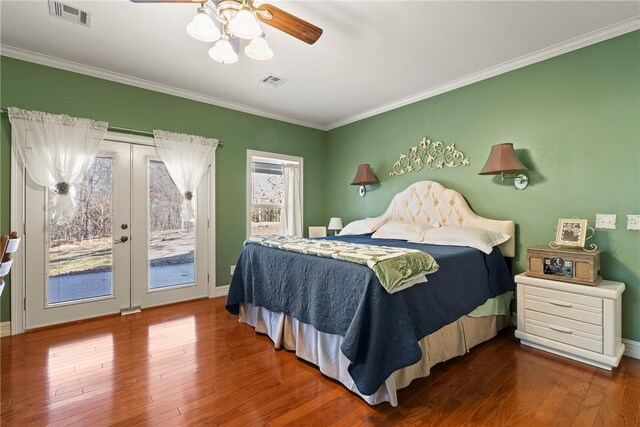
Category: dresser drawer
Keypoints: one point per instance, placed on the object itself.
(564, 296)
(571, 320)
(594, 331)
(565, 335)
(564, 304)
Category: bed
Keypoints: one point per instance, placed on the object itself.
(336, 314)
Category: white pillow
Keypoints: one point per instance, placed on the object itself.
(478, 238)
(401, 231)
(363, 226)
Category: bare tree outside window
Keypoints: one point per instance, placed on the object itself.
(80, 252)
(172, 241)
(267, 201)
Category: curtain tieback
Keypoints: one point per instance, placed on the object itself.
(62, 188)
(188, 195)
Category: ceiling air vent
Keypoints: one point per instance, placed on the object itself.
(274, 81)
(69, 13)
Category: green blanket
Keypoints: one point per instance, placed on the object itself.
(396, 268)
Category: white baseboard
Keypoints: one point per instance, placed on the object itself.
(5, 329)
(220, 291)
(631, 348)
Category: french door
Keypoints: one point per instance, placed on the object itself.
(126, 246)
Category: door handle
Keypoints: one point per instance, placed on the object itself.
(561, 329)
(560, 303)
(122, 239)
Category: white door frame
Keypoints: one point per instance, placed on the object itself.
(18, 223)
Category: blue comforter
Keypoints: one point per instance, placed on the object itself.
(381, 330)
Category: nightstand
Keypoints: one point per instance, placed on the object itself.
(575, 321)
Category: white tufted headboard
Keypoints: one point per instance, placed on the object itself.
(429, 202)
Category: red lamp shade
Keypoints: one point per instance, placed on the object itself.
(502, 159)
(364, 176)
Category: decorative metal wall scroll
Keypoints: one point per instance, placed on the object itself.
(429, 155)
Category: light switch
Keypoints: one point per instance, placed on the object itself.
(606, 221)
(633, 222)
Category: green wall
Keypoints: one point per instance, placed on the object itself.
(574, 120)
(37, 87)
(575, 123)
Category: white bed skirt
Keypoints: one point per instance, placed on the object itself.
(323, 349)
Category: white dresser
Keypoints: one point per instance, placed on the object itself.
(576, 321)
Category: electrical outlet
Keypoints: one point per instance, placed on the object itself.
(606, 221)
(233, 268)
(633, 222)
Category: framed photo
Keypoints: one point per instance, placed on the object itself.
(571, 232)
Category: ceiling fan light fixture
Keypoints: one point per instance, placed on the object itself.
(202, 27)
(259, 49)
(245, 25)
(223, 52)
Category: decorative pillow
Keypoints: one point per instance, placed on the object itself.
(401, 231)
(478, 238)
(363, 226)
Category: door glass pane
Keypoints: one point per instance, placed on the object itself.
(266, 198)
(172, 241)
(80, 252)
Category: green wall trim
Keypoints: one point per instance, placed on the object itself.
(575, 123)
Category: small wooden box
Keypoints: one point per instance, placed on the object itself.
(566, 265)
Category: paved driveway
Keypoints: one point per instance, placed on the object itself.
(73, 287)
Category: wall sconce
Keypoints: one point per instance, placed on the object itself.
(364, 176)
(502, 159)
(335, 225)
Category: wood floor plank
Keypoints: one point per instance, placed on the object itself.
(195, 364)
(477, 393)
(629, 414)
(422, 404)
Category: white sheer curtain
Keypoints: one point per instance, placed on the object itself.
(187, 158)
(56, 150)
(292, 210)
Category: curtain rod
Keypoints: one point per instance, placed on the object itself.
(120, 129)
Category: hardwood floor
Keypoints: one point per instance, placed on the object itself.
(195, 364)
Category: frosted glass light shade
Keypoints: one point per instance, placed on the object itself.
(245, 25)
(223, 52)
(202, 27)
(259, 49)
(335, 224)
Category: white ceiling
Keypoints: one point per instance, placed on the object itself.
(373, 55)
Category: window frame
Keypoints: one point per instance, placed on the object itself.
(267, 157)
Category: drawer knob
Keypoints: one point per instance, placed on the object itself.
(561, 303)
(560, 329)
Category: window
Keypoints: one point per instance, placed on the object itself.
(172, 241)
(81, 252)
(267, 191)
(269, 206)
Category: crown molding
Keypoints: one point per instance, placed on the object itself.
(50, 61)
(540, 55)
(597, 36)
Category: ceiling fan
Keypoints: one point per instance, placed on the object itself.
(239, 19)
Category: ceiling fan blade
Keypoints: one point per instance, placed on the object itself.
(165, 1)
(290, 24)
